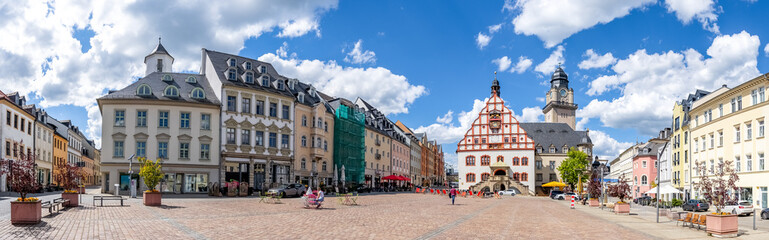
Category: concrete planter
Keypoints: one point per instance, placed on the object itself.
(25, 212)
(73, 201)
(621, 208)
(722, 225)
(152, 198)
(594, 202)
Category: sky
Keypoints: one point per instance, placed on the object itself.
(429, 64)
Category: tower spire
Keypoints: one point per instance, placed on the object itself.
(495, 86)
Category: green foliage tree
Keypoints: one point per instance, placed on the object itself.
(151, 172)
(573, 167)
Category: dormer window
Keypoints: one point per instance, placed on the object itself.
(262, 69)
(198, 93)
(280, 84)
(233, 62)
(565, 149)
(552, 149)
(171, 91)
(265, 81)
(167, 78)
(312, 92)
(232, 75)
(144, 90)
(301, 97)
(249, 77)
(248, 66)
(192, 79)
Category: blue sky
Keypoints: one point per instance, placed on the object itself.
(423, 61)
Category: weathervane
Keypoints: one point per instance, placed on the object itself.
(495, 75)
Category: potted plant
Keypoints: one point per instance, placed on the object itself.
(151, 172)
(594, 189)
(67, 175)
(719, 190)
(620, 190)
(25, 210)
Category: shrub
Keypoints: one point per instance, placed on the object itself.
(151, 172)
(594, 186)
(620, 190)
(677, 202)
(22, 175)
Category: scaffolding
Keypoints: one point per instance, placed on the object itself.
(349, 142)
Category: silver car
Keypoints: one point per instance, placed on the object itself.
(741, 208)
(285, 190)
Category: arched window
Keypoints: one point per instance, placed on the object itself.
(471, 177)
(304, 164)
(304, 141)
(167, 78)
(324, 166)
(325, 145)
(144, 90)
(320, 122)
(524, 177)
(470, 161)
(485, 160)
(500, 159)
(265, 81)
(644, 180)
(517, 176)
(565, 149)
(198, 93)
(524, 161)
(191, 79)
(304, 120)
(171, 91)
(485, 176)
(516, 161)
(249, 77)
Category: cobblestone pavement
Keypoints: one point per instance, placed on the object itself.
(382, 216)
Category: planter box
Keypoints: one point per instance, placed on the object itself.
(594, 202)
(25, 212)
(152, 198)
(722, 225)
(73, 201)
(621, 208)
(81, 190)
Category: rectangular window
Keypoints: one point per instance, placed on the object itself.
(761, 128)
(748, 131)
(710, 115)
(748, 163)
(273, 110)
(141, 118)
(23, 122)
(119, 118)
(259, 138)
(231, 102)
(286, 112)
(539, 177)
(712, 166)
(720, 139)
(677, 123)
(118, 152)
(734, 105)
(737, 133)
(205, 121)
(230, 136)
(739, 103)
(16, 121)
(259, 107)
(754, 96)
(163, 119)
(737, 165)
(163, 150)
(761, 94)
(284, 141)
(141, 149)
(552, 165)
(552, 177)
(273, 140)
(720, 110)
(205, 150)
(8, 118)
(539, 164)
(245, 137)
(184, 150)
(761, 162)
(712, 141)
(246, 106)
(184, 120)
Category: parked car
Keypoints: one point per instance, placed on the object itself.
(508, 192)
(566, 196)
(361, 188)
(765, 214)
(739, 208)
(554, 192)
(645, 200)
(695, 205)
(294, 189)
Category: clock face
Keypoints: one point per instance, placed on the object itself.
(563, 93)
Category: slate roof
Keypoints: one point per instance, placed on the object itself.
(556, 134)
(158, 86)
(309, 99)
(219, 61)
(653, 148)
(159, 49)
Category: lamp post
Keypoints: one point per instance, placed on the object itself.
(132, 184)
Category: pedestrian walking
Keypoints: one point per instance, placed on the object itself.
(453, 195)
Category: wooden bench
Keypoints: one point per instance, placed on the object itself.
(684, 220)
(695, 220)
(108, 198)
(702, 222)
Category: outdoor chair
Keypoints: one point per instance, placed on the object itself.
(684, 220)
(694, 220)
(703, 222)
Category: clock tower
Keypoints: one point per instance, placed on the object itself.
(560, 107)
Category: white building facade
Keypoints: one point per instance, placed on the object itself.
(16, 130)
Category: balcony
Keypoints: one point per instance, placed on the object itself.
(378, 143)
(317, 152)
(318, 131)
(378, 156)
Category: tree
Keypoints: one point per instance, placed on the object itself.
(67, 176)
(594, 185)
(573, 167)
(620, 190)
(151, 172)
(22, 174)
(722, 188)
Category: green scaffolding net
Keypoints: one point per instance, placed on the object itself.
(349, 145)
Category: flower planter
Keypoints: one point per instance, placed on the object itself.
(25, 212)
(152, 198)
(621, 208)
(594, 202)
(81, 190)
(73, 201)
(722, 225)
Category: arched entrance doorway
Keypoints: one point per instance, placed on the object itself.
(500, 172)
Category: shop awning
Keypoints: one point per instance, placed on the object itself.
(666, 189)
(554, 184)
(391, 177)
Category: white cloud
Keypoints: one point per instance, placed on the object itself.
(360, 56)
(605, 146)
(42, 58)
(389, 92)
(581, 124)
(503, 63)
(531, 114)
(540, 99)
(555, 20)
(650, 83)
(523, 64)
(766, 49)
(596, 61)
(549, 65)
(687, 10)
(446, 119)
(494, 28)
(482, 40)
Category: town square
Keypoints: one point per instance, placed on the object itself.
(332, 119)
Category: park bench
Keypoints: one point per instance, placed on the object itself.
(694, 220)
(702, 222)
(684, 220)
(51, 206)
(108, 198)
(62, 202)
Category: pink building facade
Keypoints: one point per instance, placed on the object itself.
(645, 168)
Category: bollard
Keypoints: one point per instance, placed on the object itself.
(572, 202)
(754, 219)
